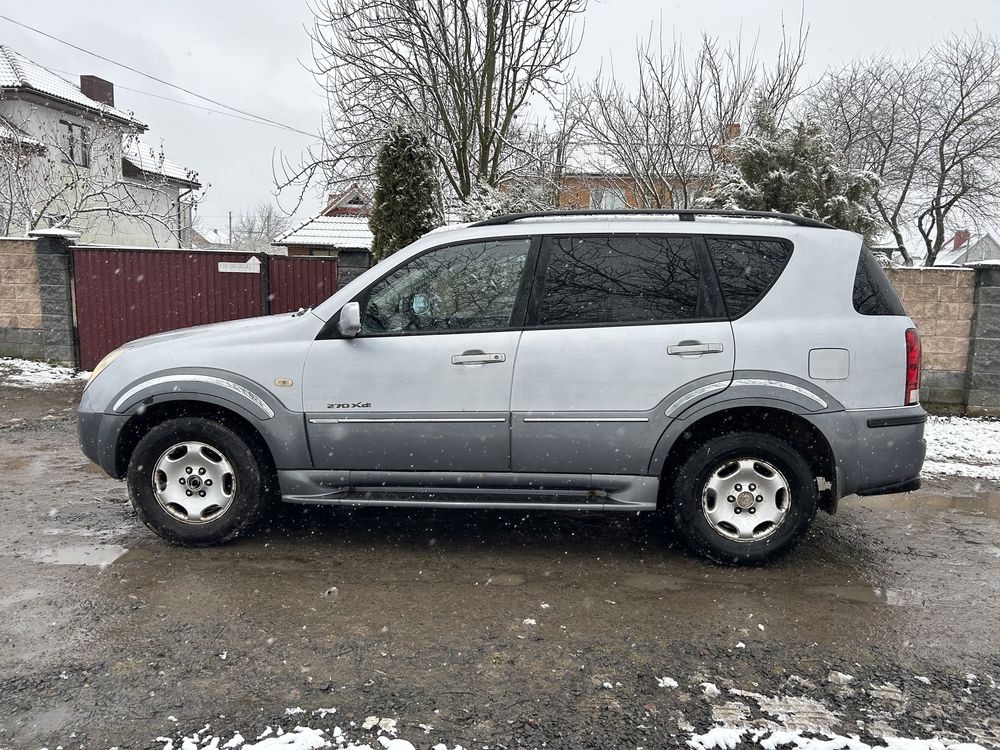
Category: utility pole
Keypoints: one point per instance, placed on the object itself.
(229, 237)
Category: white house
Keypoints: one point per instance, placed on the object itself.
(967, 247)
(69, 158)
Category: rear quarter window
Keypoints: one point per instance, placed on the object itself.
(747, 268)
(873, 293)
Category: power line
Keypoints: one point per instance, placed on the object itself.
(154, 78)
(187, 104)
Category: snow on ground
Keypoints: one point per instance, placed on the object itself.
(788, 734)
(26, 373)
(730, 737)
(960, 446)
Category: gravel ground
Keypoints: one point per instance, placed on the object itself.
(499, 630)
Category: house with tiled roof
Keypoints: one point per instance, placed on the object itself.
(339, 231)
(71, 159)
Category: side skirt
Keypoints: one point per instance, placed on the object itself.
(461, 490)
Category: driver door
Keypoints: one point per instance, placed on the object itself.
(426, 384)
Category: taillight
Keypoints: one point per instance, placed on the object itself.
(912, 367)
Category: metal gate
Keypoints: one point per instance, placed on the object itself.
(123, 294)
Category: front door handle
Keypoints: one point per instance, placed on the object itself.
(694, 347)
(478, 358)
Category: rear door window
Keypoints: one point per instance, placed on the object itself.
(608, 280)
(747, 268)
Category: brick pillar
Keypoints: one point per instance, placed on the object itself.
(36, 310)
(984, 353)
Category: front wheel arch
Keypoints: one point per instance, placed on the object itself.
(149, 416)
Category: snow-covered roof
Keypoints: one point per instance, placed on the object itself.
(151, 160)
(590, 158)
(18, 72)
(331, 231)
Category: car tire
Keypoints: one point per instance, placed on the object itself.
(196, 481)
(760, 521)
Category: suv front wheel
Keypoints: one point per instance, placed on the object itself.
(744, 498)
(196, 481)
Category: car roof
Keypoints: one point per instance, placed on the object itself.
(657, 221)
(680, 214)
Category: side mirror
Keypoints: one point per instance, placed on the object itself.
(349, 323)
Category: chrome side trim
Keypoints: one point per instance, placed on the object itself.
(586, 419)
(208, 379)
(781, 384)
(393, 420)
(697, 393)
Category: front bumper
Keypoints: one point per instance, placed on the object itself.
(877, 451)
(98, 434)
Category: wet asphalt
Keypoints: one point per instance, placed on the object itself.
(494, 629)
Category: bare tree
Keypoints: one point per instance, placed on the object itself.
(254, 230)
(462, 71)
(929, 129)
(663, 139)
(961, 177)
(49, 180)
(874, 113)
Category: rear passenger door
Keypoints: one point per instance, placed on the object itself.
(616, 325)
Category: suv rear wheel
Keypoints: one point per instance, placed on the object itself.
(195, 481)
(743, 498)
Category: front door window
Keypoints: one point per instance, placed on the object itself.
(469, 287)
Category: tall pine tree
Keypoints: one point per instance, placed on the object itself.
(404, 205)
(797, 170)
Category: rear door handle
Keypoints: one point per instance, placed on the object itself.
(694, 347)
(478, 358)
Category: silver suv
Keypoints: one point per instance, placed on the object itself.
(735, 371)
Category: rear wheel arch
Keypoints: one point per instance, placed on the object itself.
(682, 438)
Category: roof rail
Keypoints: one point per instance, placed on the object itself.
(684, 214)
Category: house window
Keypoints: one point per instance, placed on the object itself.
(75, 143)
(606, 198)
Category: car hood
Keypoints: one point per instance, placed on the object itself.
(240, 330)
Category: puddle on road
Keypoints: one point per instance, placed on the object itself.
(91, 469)
(15, 463)
(894, 597)
(986, 505)
(652, 582)
(864, 594)
(100, 555)
(505, 579)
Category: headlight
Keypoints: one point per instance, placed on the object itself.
(103, 364)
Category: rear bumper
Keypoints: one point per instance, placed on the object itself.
(876, 451)
(98, 434)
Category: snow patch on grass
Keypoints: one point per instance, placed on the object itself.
(963, 446)
(26, 373)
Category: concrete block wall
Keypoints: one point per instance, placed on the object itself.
(36, 308)
(984, 354)
(941, 302)
(351, 264)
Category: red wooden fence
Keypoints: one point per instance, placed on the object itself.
(124, 294)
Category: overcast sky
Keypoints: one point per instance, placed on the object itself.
(255, 55)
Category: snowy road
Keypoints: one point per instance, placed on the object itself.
(487, 629)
